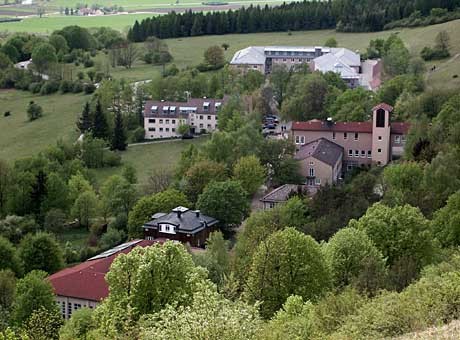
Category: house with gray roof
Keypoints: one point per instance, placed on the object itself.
(320, 162)
(281, 194)
(323, 59)
(181, 224)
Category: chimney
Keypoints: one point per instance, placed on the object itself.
(197, 213)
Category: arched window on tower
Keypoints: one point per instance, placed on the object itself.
(380, 118)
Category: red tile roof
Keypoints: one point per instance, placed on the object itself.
(318, 125)
(87, 280)
(400, 128)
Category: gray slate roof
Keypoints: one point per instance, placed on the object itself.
(281, 194)
(323, 150)
(185, 220)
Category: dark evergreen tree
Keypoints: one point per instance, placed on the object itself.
(38, 194)
(84, 122)
(100, 127)
(119, 136)
(140, 107)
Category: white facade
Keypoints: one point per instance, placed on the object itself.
(67, 305)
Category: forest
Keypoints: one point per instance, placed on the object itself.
(344, 15)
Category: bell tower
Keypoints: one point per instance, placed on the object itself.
(381, 134)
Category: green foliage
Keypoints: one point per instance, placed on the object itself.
(209, 316)
(145, 281)
(446, 222)
(286, 263)
(225, 201)
(34, 111)
(118, 141)
(396, 57)
(44, 56)
(354, 259)
(7, 294)
(100, 128)
(85, 208)
(118, 195)
(331, 42)
(143, 210)
(250, 173)
(353, 105)
(43, 324)
(216, 259)
(8, 257)
(404, 237)
(32, 293)
(200, 174)
(214, 57)
(41, 252)
(78, 327)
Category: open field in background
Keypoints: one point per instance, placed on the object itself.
(20, 138)
(146, 157)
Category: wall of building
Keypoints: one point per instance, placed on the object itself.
(196, 240)
(246, 67)
(323, 173)
(162, 127)
(364, 143)
(67, 305)
(381, 149)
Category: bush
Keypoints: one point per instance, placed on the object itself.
(88, 63)
(35, 87)
(89, 88)
(77, 87)
(99, 77)
(112, 159)
(49, 87)
(66, 86)
(138, 135)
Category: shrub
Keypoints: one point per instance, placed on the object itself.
(99, 76)
(66, 86)
(112, 159)
(138, 135)
(49, 87)
(77, 87)
(88, 63)
(35, 87)
(89, 88)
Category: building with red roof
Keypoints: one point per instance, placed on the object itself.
(363, 143)
(84, 285)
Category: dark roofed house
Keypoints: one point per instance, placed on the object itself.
(321, 162)
(281, 195)
(181, 224)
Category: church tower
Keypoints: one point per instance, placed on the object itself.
(381, 134)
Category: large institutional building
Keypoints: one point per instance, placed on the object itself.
(324, 59)
(326, 149)
(163, 118)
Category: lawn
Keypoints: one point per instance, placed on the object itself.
(146, 157)
(20, 137)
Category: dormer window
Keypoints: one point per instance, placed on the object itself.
(165, 109)
(154, 109)
(206, 106)
(172, 109)
(217, 106)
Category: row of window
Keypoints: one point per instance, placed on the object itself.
(345, 136)
(361, 154)
(161, 129)
(289, 53)
(70, 307)
(166, 121)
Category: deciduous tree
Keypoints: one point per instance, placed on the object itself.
(41, 252)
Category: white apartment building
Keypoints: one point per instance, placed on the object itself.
(163, 118)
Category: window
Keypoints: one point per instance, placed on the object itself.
(369, 154)
(63, 309)
(333, 136)
(403, 139)
(167, 129)
(318, 181)
(201, 116)
(69, 309)
(201, 125)
(311, 172)
(151, 129)
(312, 163)
(380, 118)
(209, 117)
(302, 140)
(397, 139)
(151, 120)
(379, 150)
(297, 139)
(173, 121)
(345, 135)
(76, 306)
(350, 153)
(349, 167)
(380, 137)
(363, 154)
(167, 121)
(167, 228)
(161, 121)
(356, 136)
(161, 129)
(356, 153)
(209, 126)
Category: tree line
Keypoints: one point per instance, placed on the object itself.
(344, 15)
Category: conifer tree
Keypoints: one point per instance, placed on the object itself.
(100, 126)
(84, 122)
(119, 136)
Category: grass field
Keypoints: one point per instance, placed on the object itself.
(147, 157)
(20, 138)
